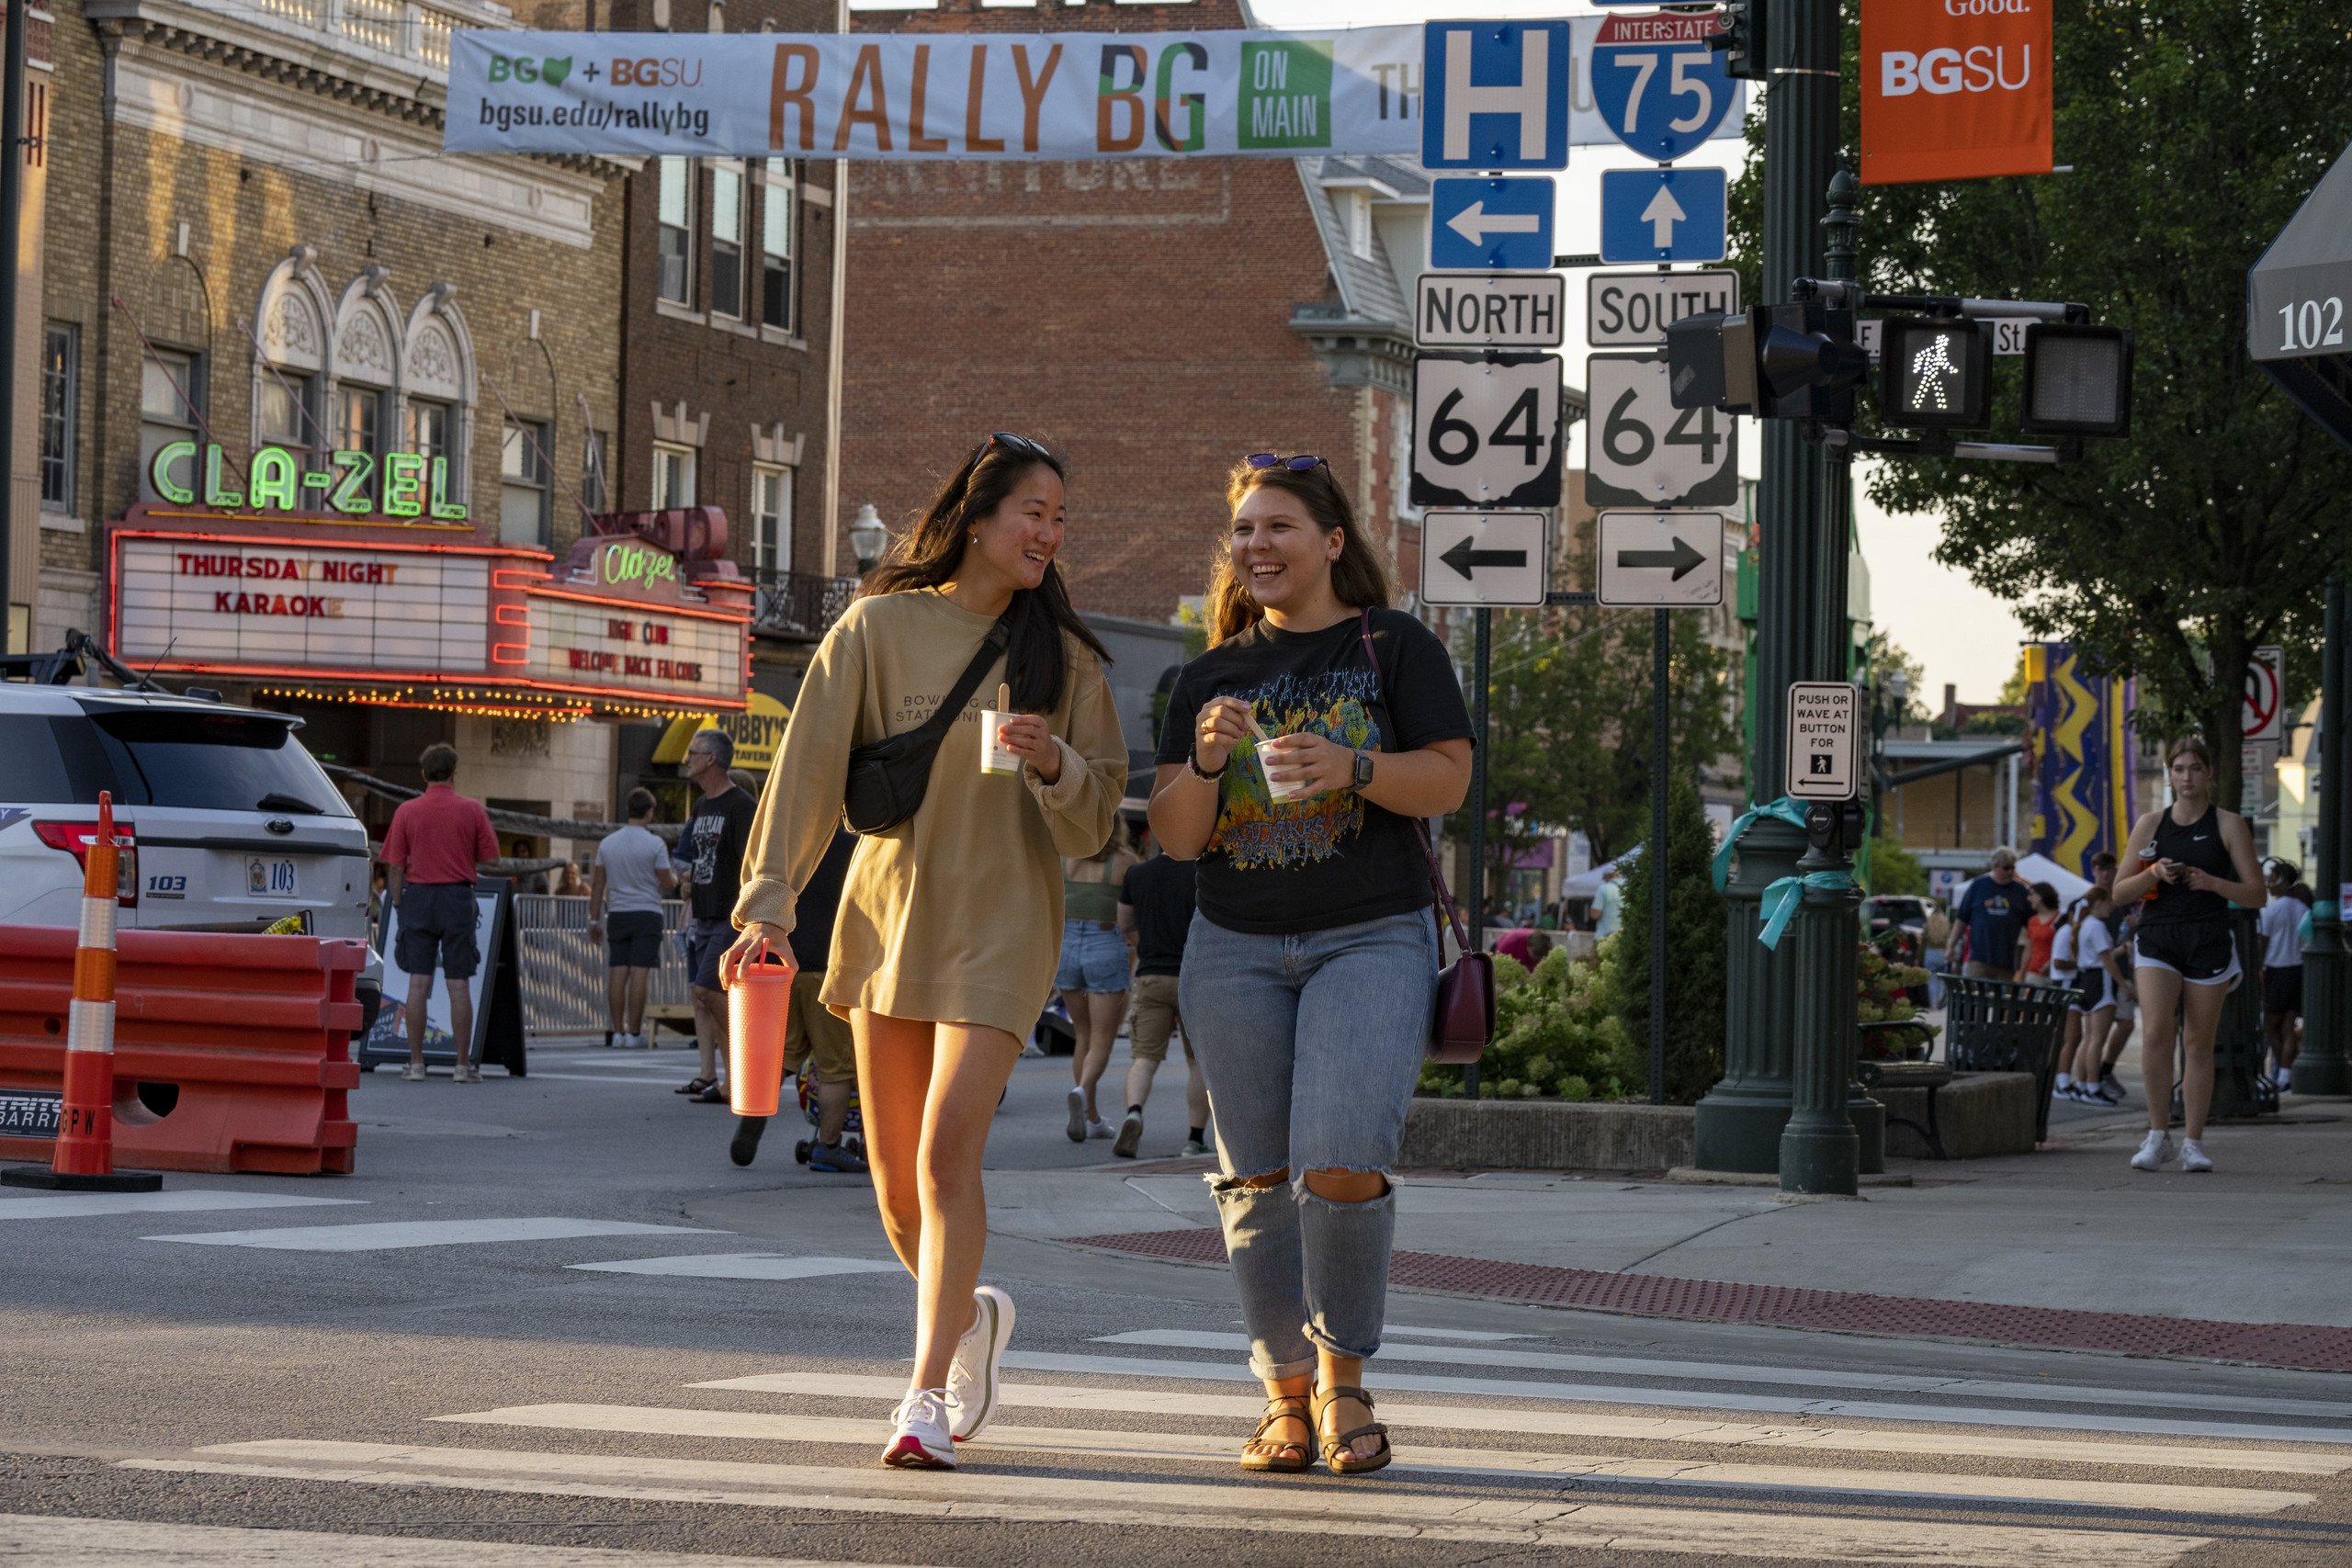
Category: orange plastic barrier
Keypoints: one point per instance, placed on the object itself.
(231, 1052)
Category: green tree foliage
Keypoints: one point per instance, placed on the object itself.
(2193, 130)
(1894, 869)
(1887, 658)
(1694, 954)
(1570, 696)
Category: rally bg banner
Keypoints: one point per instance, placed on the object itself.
(973, 95)
(966, 96)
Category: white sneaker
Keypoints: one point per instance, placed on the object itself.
(2154, 1150)
(972, 1376)
(919, 1438)
(1099, 1130)
(2193, 1156)
(1077, 1128)
(2285, 1079)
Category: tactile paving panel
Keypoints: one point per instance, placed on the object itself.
(2306, 1346)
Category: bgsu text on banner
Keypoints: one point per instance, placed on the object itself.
(1955, 89)
(972, 95)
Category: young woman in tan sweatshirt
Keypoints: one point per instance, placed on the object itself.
(950, 923)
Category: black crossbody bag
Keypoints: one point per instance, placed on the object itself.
(887, 778)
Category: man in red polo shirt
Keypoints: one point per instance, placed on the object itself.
(435, 845)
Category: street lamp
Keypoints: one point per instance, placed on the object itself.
(869, 538)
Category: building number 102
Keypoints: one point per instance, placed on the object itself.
(2315, 323)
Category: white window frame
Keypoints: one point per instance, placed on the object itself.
(596, 484)
(179, 423)
(526, 462)
(304, 385)
(724, 172)
(672, 475)
(674, 177)
(779, 191)
(771, 523)
(60, 387)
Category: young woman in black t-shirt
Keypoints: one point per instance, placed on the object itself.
(2198, 860)
(1298, 752)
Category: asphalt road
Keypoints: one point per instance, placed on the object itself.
(547, 1322)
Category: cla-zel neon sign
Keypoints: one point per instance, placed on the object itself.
(399, 484)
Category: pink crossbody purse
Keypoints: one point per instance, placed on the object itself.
(1464, 1020)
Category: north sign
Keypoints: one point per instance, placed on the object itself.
(1502, 224)
(1664, 215)
(1486, 429)
(1496, 309)
(1633, 310)
(1658, 86)
(1643, 451)
(1660, 560)
(1486, 558)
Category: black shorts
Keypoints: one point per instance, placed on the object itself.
(2199, 952)
(2283, 990)
(435, 930)
(633, 939)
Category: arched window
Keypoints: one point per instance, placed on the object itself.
(437, 384)
(367, 368)
(290, 361)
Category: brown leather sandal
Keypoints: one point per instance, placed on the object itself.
(1338, 1453)
(1286, 1457)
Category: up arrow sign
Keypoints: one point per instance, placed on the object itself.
(1474, 223)
(1662, 214)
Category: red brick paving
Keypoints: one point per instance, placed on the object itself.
(2310, 1346)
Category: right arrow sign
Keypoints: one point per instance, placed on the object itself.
(1665, 560)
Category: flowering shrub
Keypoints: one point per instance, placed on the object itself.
(1555, 1036)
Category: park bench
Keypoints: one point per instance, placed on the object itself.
(2000, 1026)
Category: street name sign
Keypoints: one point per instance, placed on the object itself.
(1486, 558)
(1486, 429)
(2265, 716)
(1644, 452)
(2009, 333)
(1633, 310)
(1825, 740)
(1502, 224)
(1661, 560)
(1664, 215)
(1495, 94)
(1494, 310)
(1658, 86)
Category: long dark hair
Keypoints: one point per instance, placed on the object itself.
(930, 550)
(1359, 577)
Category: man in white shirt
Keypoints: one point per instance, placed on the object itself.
(631, 877)
(2282, 968)
(1610, 906)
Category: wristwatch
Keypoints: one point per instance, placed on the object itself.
(1363, 771)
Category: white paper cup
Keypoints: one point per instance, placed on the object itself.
(994, 758)
(1276, 789)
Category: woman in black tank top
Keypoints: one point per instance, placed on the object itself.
(2191, 861)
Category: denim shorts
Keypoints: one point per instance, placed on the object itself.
(706, 939)
(1094, 958)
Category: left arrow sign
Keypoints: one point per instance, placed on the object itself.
(1465, 560)
(1474, 223)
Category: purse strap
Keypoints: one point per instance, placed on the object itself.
(968, 682)
(1446, 914)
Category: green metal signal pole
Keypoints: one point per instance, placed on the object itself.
(2322, 1067)
(1785, 1004)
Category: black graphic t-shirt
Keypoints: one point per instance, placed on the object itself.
(716, 836)
(1275, 867)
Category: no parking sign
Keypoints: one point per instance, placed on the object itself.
(2264, 711)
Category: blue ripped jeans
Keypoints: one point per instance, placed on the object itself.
(1311, 1044)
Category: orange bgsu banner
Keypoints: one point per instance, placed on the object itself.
(1955, 89)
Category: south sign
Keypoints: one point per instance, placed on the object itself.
(403, 486)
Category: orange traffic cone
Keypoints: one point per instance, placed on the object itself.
(83, 1161)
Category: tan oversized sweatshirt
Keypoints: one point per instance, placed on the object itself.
(955, 915)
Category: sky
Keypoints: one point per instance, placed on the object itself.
(1959, 633)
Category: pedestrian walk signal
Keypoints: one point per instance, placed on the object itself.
(1936, 374)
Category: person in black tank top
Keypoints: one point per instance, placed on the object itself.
(2190, 862)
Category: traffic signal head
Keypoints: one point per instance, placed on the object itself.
(1935, 373)
(1774, 361)
(2077, 381)
(1740, 38)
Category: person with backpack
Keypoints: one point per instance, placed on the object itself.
(950, 921)
(1298, 752)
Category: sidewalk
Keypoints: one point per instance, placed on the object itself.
(2068, 1246)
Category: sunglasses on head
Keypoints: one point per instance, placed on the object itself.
(1298, 465)
(1021, 443)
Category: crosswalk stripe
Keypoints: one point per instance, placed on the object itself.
(1417, 1458)
(61, 1541)
(1364, 1508)
(171, 1201)
(1705, 1399)
(393, 1234)
(1479, 1336)
(1718, 1371)
(1579, 1424)
(742, 1265)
